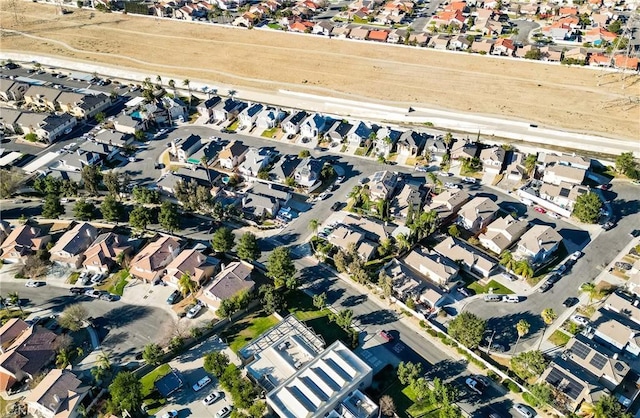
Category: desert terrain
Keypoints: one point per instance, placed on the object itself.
(576, 99)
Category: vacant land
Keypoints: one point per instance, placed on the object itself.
(572, 98)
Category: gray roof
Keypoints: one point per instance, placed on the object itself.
(270, 189)
(115, 138)
(286, 167)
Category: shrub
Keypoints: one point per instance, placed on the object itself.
(494, 376)
(530, 399)
(510, 384)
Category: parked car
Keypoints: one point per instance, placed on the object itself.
(195, 310)
(445, 174)
(77, 290)
(469, 180)
(212, 398)
(201, 383)
(422, 168)
(553, 215)
(576, 255)
(384, 334)
(561, 268)
(605, 186)
(523, 410)
(509, 277)
(174, 297)
(336, 206)
(511, 299)
(623, 266)
(171, 414)
(608, 225)
(569, 302)
(492, 298)
(108, 297)
(475, 385)
(93, 293)
(34, 283)
(340, 179)
(464, 292)
(97, 278)
(450, 185)
(580, 320)
(84, 278)
(545, 286)
(539, 209)
(224, 412)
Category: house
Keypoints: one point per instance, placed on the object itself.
(249, 115)
(385, 141)
(378, 35)
(460, 43)
(502, 233)
(149, 264)
(563, 194)
(440, 42)
(539, 243)
(269, 118)
(42, 97)
(271, 190)
(483, 47)
(341, 31)
(22, 242)
(199, 267)
(476, 214)
(308, 172)
(58, 395)
(83, 106)
(617, 332)
(597, 36)
(227, 110)
(550, 55)
(232, 280)
(345, 238)
(504, 46)
(463, 149)
(255, 160)
(339, 130)
(315, 125)
(127, 124)
(599, 60)
(522, 52)
(104, 151)
(383, 184)
(175, 109)
(233, 155)
(440, 270)
(183, 149)
(626, 62)
(407, 283)
(623, 306)
(258, 206)
(410, 198)
(468, 257)
(558, 173)
(578, 54)
(448, 203)
(9, 118)
(291, 124)
(492, 159)
(70, 248)
(448, 17)
(435, 149)
(411, 143)
(359, 133)
(206, 107)
(102, 255)
(285, 168)
(47, 127)
(571, 160)
(359, 33)
(11, 90)
(26, 351)
(573, 383)
(397, 36)
(418, 38)
(113, 138)
(324, 27)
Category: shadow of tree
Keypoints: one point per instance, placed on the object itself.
(354, 300)
(124, 315)
(379, 317)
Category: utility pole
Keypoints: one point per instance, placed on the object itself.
(490, 341)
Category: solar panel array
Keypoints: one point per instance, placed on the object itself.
(564, 383)
(580, 350)
(598, 361)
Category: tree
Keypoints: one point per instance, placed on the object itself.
(591, 289)
(313, 226)
(271, 298)
(31, 137)
(408, 372)
(421, 389)
(73, 317)
(387, 407)
(139, 218)
(386, 284)
(320, 301)
(52, 208)
(507, 260)
(528, 364)
(139, 135)
(548, 316)
(10, 181)
(63, 358)
(449, 411)
(280, 267)
(223, 240)
(327, 172)
(542, 392)
(453, 230)
(344, 318)
(111, 209)
(111, 181)
(144, 195)
(215, 362)
(533, 54)
(468, 329)
(626, 164)
(152, 354)
(83, 210)
(218, 211)
(168, 217)
(304, 153)
(14, 299)
(186, 82)
(186, 285)
(524, 269)
(615, 27)
(126, 393)
(522, 327)
(530, 164)
(608, 407)
(341, 260)
(100, 117)
(248, 248)
(587, 208)
(91, 178)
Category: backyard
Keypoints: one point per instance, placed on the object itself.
(242, 332)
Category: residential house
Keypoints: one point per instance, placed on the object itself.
(397, 36)
(599, 60)
(307, 174)
(571, 160)
(550, 55)
(271, 190)
(269, 118)
(617, 332)
(22, 242)
(359, 134)
(339, 130)
(378, 35)
(492, 159)
(597, 36)
(440, 42)
(199, 267)
(149, 264)
(559, 173)
(175, 109)
(104, 151)
(359, 33)
(227, 110)
(255, 160)
(249, 115)
(127, 124)
(563, 194)
(206, 107)
(625, 62)
(300, 26)
(483, 47)
(83, 106)
(539, 243)
(184, 148)
(26, 352)
(578, 54)
(410, 198)
(11, 90)
(70, 248)
(345, 237)
(468, 257)
(383, 184)
(9, 118)
(435, 149)
(341, 31)
(504, 46)
(448, 203)
(502, 233)
(47, 127)
(621, 305)
(418, 38)
(460, 43)
(233, 155)
(448, 17)
(435, 267)
(58, 395)
(411, 143)
(42, 97)
(229, 282)
(324, 27)
(522, 52)
(573, 383)
(113, 138)
(291, 124)
(102, 255)
(463, 149)
(407, 283)
(196, 174)
(285, 168)
(259, 207)
(386, 139)
(315, 125)
(476, 214)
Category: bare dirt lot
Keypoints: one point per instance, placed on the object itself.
(571, 98)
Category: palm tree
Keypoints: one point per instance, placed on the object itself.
(402, 243)
(507, 260)
(14, 299)
(4, 303)
(159, 80)
(204, 161)
(172, 84)
(63, 358)
(437, 183)
(186, 82)
(591, 289)
(530, 163)
(524, 269)
(313, 226)
(587, 410)
(187, 286)
(548, 316)
(523, 329)
(232, 93)
(103, 362)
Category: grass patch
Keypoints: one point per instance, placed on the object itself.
(118, 287)
(274, 26)
(73, 277)
(559, 338)
(301, 305)
(400, 396)
(151, 397)
(344, 148)
(498, 288)
(361, 151)
(270, 133)
(245, 330)
(234, 125)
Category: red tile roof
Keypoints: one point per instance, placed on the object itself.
(378, 35)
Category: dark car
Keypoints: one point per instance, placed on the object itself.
(545, 286)
(569, 302)
(553, 278)
(173, 297)
(77, 290)
(336, 206)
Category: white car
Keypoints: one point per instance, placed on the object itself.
(511, 299)
(33, 283)
(212, 398)
(445, 174)
(580, 320)
(171, 414)
(523, 410)
(469, 180)
(224, 412)
(576, 255)
(195, 310)
(553, 215)
(201, 383)
(339, 179)
(451, 186)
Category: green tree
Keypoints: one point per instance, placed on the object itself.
(341, 261)
(126, 393)
(453, 230)
(320, 301)
(187, 83)
(218, 211)
(615, 27)
(590, 289)
(524, 269)
(223, 240)
(215, 362)
(111, 180)
(587, 208)
(449, 411)
(344, 318)
(83, 210)
(152, 354)
(63, 358)
(280, 267)
(272, 300)
(14, 299)
(304, 153)
(421, 389)
(522, 327)
(409, 372)
(548, 316)
(73, 317)
(248, 248)
(627, 165)
(609, 407)
(507, 260)
(528, 364)
(386, 284)
(10, 181)
(91, 177)
(52, 208)
(139, 135)
(144, 195)
(139, 218)
(168, 217)
(468, 329)
(111, 209)
(542, 392)
(530, 164)
(31, 137)
(100, 117)
(186, 284)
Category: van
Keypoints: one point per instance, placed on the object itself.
(511, 299)
(492, 298)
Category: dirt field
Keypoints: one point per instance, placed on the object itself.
(553, 95)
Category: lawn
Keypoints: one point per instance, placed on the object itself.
(234, 125)
(559, 338)
(361, 151)
(151, 397)
(274, 26)
(73, 277)
(498, 288)
(245, 330)
(270, 133)
(118, 286)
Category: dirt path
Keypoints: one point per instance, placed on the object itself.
(571, 98)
